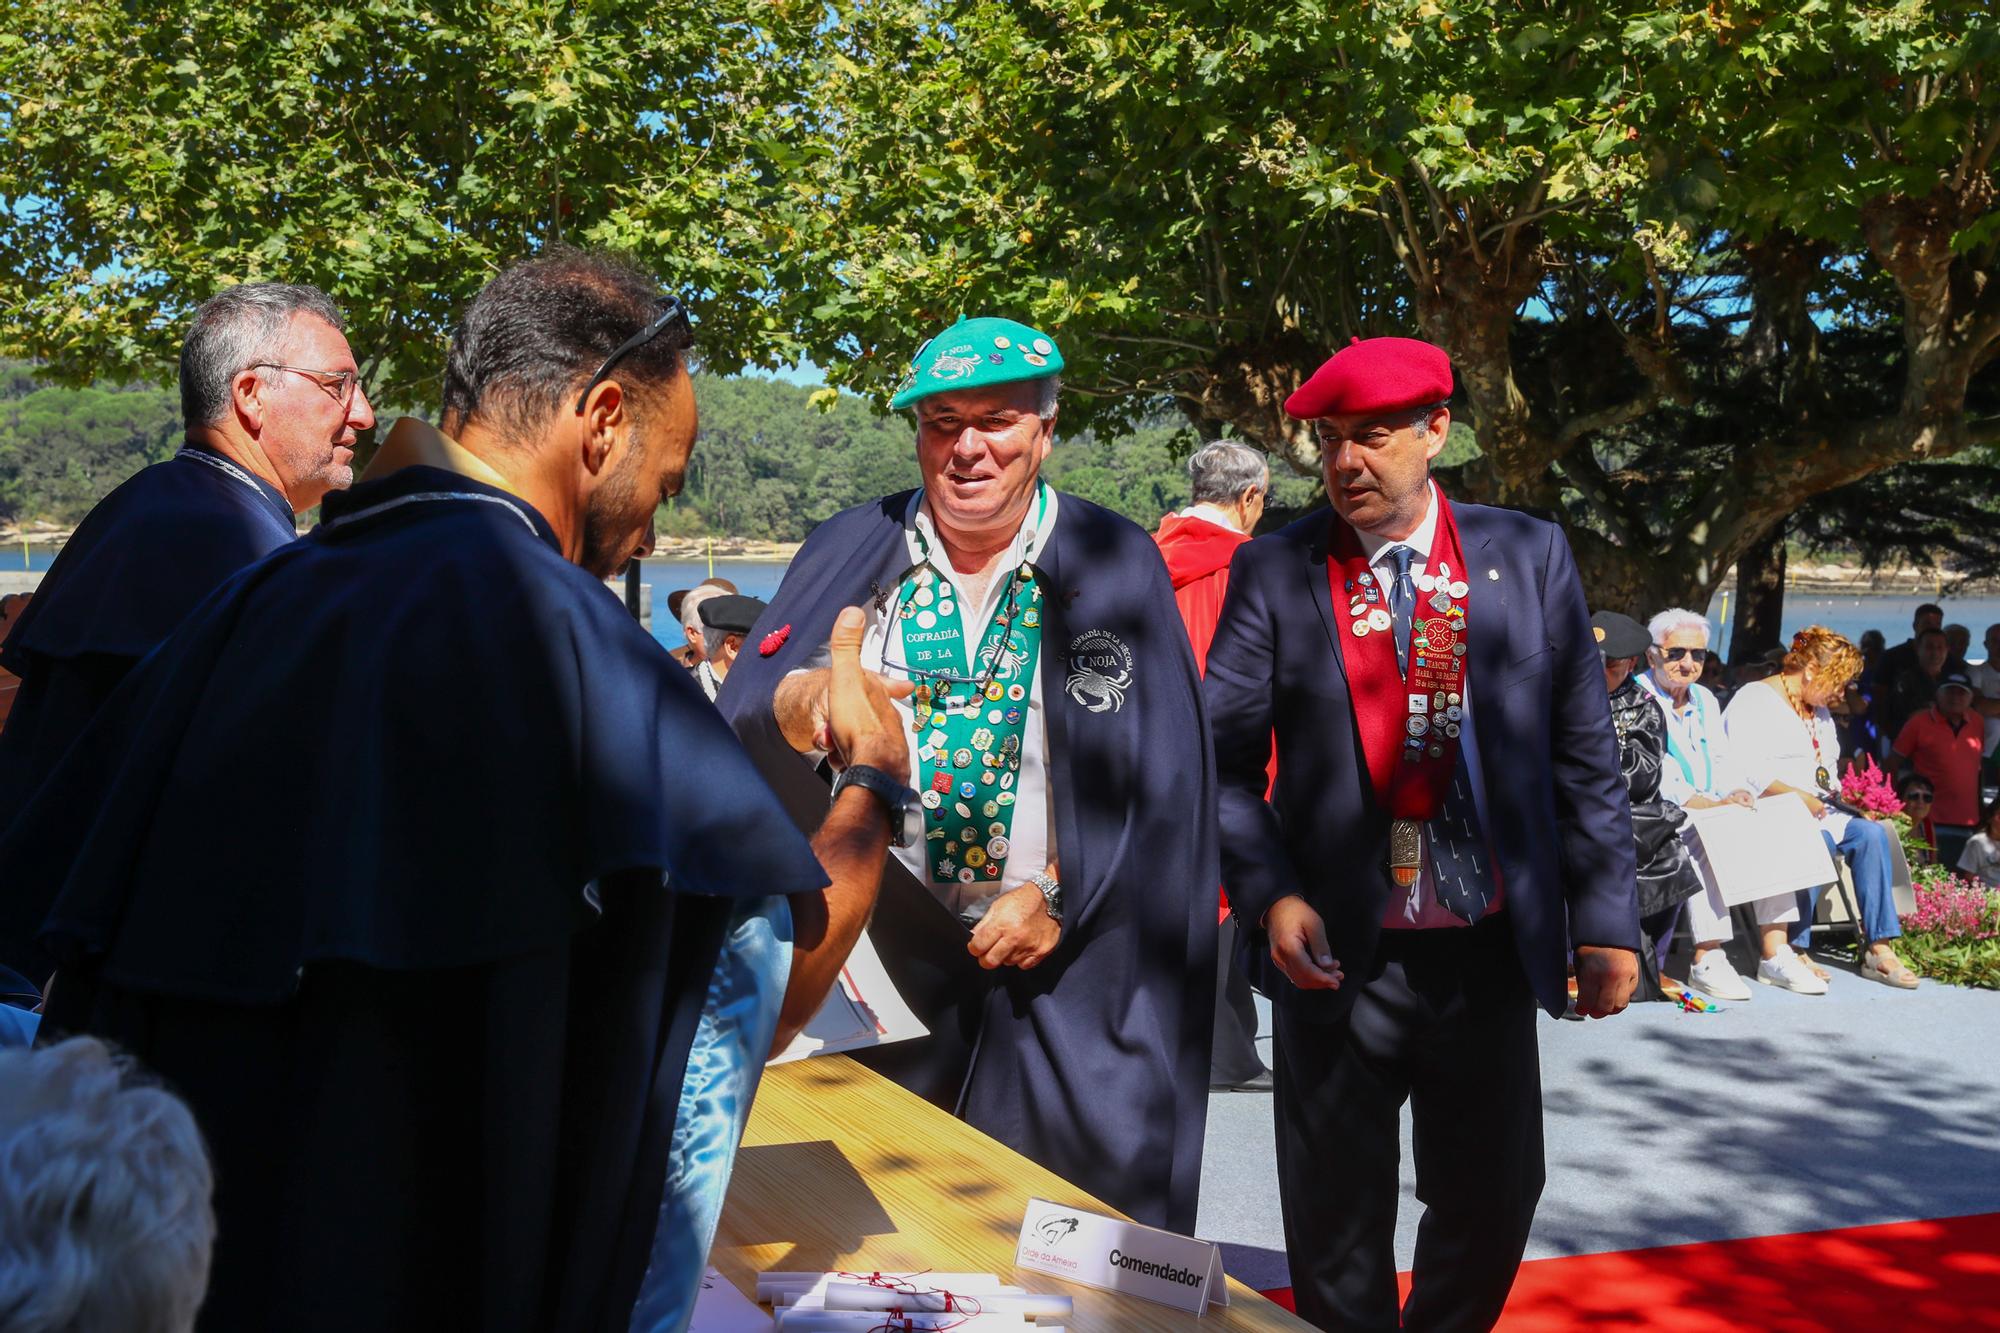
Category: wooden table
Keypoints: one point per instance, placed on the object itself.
(843, 1170)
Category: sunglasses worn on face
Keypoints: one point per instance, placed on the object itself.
(1678, 654)
(673, 315)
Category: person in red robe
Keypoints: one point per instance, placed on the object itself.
(1231, 482)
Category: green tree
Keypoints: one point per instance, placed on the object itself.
(395, 152)
(1695, 263)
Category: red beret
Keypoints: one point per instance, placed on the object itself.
(1375, 375)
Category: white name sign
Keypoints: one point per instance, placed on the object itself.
(1118, 1255)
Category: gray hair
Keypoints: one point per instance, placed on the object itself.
(691, 605)
(1223, 470)
(104, 1196)
(712, 640)
(233, 329)
(1047, 391)
(1677, 618)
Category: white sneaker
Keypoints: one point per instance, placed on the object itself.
(1713, 976)
(1788, 971)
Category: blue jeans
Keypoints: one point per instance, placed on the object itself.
(1865, 844)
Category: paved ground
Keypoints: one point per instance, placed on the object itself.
(1788, 1113)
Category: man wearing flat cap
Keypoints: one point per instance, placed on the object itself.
(725, 619)
(1448, 821)
(1052, 915)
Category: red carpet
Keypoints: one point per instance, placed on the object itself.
(1939, 1274)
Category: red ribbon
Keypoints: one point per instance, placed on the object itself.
(1381, 693)
(774, 640)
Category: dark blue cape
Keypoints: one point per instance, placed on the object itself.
(1095, 1063)
(407, 859)
(141, 560)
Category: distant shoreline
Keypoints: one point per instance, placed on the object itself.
(47, 536)
(1831, 576)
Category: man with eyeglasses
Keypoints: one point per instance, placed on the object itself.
(436, 887)
(1448, 821)
(271, 410)
(1051, 916)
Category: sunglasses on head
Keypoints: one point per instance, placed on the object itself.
(1677, 654)
(673, 315)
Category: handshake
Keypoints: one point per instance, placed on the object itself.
(843, 710)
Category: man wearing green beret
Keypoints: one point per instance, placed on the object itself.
(1049, 910)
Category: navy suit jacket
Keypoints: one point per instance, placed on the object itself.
(1556, 810)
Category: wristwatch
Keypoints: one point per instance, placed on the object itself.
(899, 803)
(1051, 894)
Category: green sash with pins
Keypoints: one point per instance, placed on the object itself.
(971, 712)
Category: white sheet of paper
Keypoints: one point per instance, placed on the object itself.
(862, 1010)
(721, 1308)
(1751, 854)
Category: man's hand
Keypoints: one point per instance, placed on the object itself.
(1298, 945)
(1017, 930)
(843, 709)
(1605, 980)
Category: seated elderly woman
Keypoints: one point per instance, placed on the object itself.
(105, 1223)
(1784, 740)
(1699, 773)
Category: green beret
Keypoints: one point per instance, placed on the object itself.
(977, 353)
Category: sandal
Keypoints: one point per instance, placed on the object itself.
(1894, 973)
(1813, 967)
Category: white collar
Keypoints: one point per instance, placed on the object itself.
(1209, 513)
(1040, 520)
(1419, 541)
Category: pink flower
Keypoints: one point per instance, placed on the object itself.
(1868, 789)
(1954, 908)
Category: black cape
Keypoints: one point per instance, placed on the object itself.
(407, 860)
(1095, 1063)
(138, 564)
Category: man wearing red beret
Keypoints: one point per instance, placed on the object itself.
(1448, 822)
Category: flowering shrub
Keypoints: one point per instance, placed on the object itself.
(1954, 935)
(1869, 790)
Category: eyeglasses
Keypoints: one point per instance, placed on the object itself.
(338, 383)
(673, 315)
(1678, 654)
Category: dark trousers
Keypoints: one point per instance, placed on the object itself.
(1445, 1021)
(1233, 1054)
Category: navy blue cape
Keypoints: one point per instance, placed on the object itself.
(141, 560)
(1095, 1063)
(407, 859)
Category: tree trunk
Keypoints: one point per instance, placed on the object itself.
(1760, 597)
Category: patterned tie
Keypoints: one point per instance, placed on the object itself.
(1402, 601)
(1459, 873)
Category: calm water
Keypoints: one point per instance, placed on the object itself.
(1888, 612)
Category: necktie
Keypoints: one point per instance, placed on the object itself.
(1460, 876)
(1402, 600)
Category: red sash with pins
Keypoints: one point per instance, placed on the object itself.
(1408, 719)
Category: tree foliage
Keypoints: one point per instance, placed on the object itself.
(395, 152)
(1696, 263)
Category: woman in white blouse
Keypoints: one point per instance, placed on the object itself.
(1784, 740)
(1696, 775)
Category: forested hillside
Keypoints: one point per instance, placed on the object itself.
(768, 466)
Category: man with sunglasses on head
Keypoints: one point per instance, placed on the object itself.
(271, 409)
(452, 907)
(1052, 916)
(1448, 822)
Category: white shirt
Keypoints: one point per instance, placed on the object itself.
(1418, 907)
(1770, 743)
(1209, 513)
(1700, 739)
(1032, 839)
(1986, 679)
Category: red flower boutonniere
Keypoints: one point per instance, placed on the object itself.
(774, 640)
